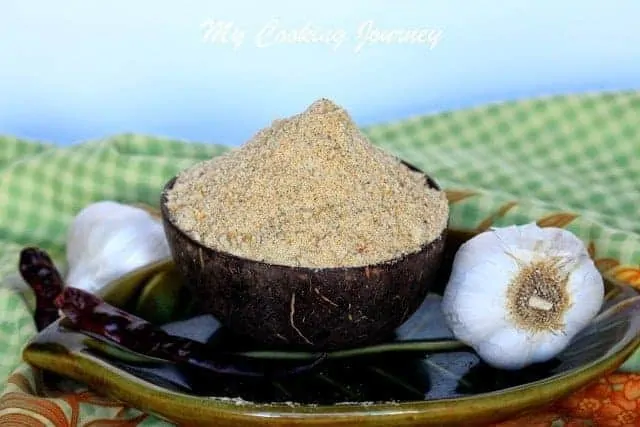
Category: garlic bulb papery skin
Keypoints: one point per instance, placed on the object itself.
(518, 295)
(107, 240)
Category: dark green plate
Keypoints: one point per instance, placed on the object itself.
(422, 377)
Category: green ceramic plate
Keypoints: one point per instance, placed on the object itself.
(422, 377)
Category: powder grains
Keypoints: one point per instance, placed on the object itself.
(308, 191)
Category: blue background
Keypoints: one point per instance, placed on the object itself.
(74, 69)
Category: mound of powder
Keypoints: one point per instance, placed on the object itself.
(309, 191)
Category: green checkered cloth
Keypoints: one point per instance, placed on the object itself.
(572, 160)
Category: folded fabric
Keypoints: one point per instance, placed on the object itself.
(568, 161)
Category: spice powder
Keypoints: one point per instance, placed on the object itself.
(309, 191)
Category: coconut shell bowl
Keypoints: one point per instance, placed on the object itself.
(304, 308)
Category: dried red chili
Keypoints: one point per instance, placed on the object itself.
(38, 270)
(89, 314)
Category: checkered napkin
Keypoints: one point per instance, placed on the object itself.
(571, 161)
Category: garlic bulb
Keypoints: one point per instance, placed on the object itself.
(519, 294)
(107, 240)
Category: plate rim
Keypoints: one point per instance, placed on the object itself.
(156, 399)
